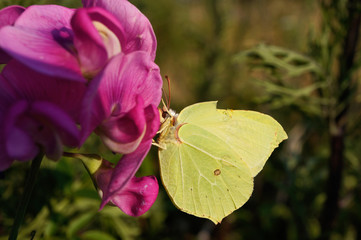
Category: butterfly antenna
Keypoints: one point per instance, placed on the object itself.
(164, 106)
(164, 96)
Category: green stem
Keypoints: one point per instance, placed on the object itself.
(29, 186)
(338, 136)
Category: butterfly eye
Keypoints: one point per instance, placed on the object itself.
(164, 114)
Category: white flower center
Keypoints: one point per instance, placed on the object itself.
(110, 40)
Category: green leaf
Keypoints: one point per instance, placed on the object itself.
(290, 63)
(79, 223)
(92, 162)
(96, 235)
(304, 98)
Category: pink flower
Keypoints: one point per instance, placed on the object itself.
(36, 114)
(128, 90)
(124, 114)
(137, 30)
(109, 43)
(135, 198)
(73, 44)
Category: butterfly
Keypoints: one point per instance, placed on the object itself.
(209, 157)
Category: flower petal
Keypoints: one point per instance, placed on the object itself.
(37, 110)
(122, 134)
(44, 41)
(137, 196)
(21, 82)
(19, 144)
(27, 126)
(153, 121)
(112, 31)
(128, 76)
(138, 32)
(51, 143)
(116, 88)
(61, 123)
(8, 16)
(125, 171)
(91, 51)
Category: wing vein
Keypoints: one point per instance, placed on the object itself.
(208, 154)
(182, 176)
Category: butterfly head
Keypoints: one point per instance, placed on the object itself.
(167, 115)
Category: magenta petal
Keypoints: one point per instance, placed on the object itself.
(108, 20)
(125, 171)
(103, 175)
(44, 18)
(7, 96)
(138, 32)
(92, 112)
(152, 117)
(20, 146)
(116, 88)
(92, 53)
(8, 16)
(122, 134)
(44, 55)
(51, 143)
(25, 83)
(127, 76)
(13, 113)
(63, 125)
(43, 41)
(28, 126)
(137, 196)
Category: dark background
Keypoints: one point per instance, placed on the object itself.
(309, 188)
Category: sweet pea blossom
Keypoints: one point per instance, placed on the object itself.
(129, 90)
(109, 47)
(124, 114)
(138, 32)
(36, 114)
(74, 44)
(136, 197)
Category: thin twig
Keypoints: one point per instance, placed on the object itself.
(23, 205)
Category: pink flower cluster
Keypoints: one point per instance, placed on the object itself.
(71, 72)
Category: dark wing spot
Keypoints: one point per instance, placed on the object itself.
(217, 172)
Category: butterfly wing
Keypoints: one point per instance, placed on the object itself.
(251, 134)
(210, 158)
(201, 178)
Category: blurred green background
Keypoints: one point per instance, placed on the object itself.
(224, 50)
